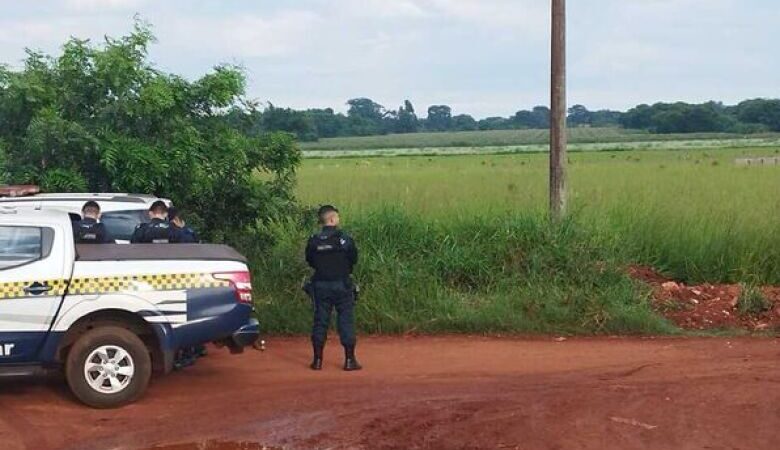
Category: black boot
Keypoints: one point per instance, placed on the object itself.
(350, 362)
(316, 362)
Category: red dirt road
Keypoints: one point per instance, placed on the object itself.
(433, 393)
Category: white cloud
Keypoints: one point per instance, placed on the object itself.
(103, 5)
(383, 9)
(245, 36)
(484, 57)
(527, 15)
(49, 34)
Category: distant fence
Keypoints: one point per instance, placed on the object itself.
(768, 161)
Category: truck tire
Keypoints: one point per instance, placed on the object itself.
(108, 367)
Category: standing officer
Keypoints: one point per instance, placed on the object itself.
(332, 254)
(88, 230)
(158, 230)
(186, 234)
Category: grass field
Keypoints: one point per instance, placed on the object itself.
(461, 243)
(503, 138)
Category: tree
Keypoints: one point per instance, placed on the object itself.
(678, 118)
(464, 122)
(760, 111)
(407, 119)
(495, 123)
(365, 116)
(639, 117)
(289, 120)
(102, 118)
(579, 115)
(539, 117)
(439, 118)
(326, 123)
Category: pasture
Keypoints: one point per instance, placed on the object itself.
(508, 138)
(461, 243)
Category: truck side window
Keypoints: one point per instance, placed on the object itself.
(20, 246)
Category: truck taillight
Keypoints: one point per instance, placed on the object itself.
(241, 283)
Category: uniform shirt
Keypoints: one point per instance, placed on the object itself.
(90, 231)
(186, 234)
(157, 231)
(332, 254)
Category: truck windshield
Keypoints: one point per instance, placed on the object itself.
(121, 224)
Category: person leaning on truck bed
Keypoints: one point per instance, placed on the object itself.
(332, 254)
(186, 234)
(158, 230)
(88, 230)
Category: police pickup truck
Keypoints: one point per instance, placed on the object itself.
(110, 315)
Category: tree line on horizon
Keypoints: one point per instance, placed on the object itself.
(365, 117)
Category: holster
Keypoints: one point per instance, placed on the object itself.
(355, 290)
(308, 288)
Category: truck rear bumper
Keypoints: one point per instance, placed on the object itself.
(245, 336)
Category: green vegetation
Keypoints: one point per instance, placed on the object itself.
(461, 243)
(508, 273)
(101, 118)
(368, 118)
(752, 301)
(456, 244)
(504, 138)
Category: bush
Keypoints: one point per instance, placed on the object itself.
(752, 301)
(102, 118)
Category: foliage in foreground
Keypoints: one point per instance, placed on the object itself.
(752, 301)
(102, 118)
(483, 274)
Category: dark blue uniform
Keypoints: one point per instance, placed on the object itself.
(186, 234)
(332, 254)
(90, 231)
(157, 231)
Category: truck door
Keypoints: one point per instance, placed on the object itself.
(33, 280)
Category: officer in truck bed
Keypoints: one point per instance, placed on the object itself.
(332, 254)
(88, 229)
(158, 230)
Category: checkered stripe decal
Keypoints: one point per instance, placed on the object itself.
(108, 285)
(156, 282)
(15, 289)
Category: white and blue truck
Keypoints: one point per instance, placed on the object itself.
(109, 316)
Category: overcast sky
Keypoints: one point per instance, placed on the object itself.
(483, 57)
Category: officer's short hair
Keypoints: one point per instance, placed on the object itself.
(159, 207)
(91, 207)
(324, 210)
(173, 212)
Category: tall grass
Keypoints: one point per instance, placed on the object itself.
(504, 273)
(692, 213)
(462, 243)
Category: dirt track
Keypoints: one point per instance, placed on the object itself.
(449, 393)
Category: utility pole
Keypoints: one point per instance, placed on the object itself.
(558, 112)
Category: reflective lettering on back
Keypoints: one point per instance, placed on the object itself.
(330, 243)
(87, 233)
(6, 349)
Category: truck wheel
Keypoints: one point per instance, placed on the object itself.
(108, 367)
